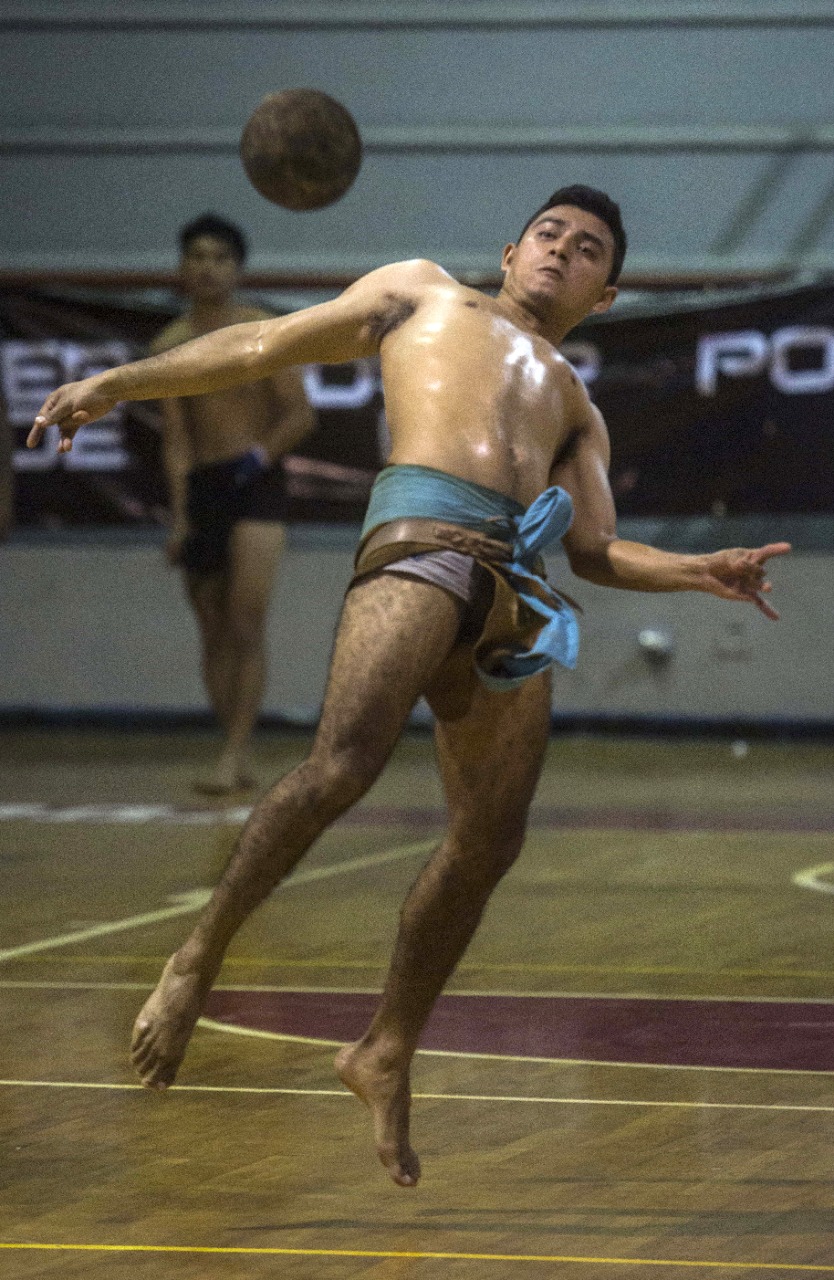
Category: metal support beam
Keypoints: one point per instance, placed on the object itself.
(445, 138)
(471, 14)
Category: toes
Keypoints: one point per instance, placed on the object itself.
(141, 1059)
(141, 1031)
(155, 1075)
(406, 1174)
(404, 1169)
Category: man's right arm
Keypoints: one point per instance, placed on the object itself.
(348, 328)
(596, 552)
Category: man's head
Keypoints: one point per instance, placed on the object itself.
(590, 200)
(568, 257)
(213, 252)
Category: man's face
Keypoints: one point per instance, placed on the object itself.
(209, 271)
(562, 263)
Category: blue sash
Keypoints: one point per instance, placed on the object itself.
(405, 491)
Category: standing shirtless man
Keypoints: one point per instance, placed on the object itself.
(486, 418)
(227, 493)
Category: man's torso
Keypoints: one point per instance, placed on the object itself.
(469, 392)
(224, 423)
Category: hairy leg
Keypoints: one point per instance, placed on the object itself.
(393, 636)
(490, 750)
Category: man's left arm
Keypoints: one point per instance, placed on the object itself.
(598, 555)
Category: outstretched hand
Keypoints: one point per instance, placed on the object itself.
(72, 406)
(740, 575)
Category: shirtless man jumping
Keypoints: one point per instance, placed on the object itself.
(227, 493)
(496, 450)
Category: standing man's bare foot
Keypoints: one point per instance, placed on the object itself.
(163, 1029)
(229, 775)
(386, 1093)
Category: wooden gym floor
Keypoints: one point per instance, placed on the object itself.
(632, 1074)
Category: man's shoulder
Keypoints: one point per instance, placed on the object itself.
(410, 273)
(576, 396)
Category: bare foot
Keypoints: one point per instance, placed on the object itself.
(224, 781)
(164, 1026)
(386, 1094)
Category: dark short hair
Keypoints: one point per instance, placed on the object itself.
(602, 206)
(209, 224)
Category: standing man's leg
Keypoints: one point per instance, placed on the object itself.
(490, 755)
(206, 594)
(393, 636)
(255, 549)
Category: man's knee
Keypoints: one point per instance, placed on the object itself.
(246, 627)
(345, 774)
(484, 850)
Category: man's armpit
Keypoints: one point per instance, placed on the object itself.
(393, 312)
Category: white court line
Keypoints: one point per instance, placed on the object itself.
(182, 904)
(256, 1033)
(425, 1097)
(811, 878)
(123, 814)
(193, 899)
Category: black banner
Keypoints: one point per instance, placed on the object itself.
(714, 407)
(719, 408)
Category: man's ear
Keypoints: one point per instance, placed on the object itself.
(507, 256)
(606, 301)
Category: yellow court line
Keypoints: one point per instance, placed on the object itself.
(262, 962)
(504, 993)
(287, 1091)
(443, 1257)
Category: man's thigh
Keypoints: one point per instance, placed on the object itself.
(255, 549)
(490, 746)
(393, 635)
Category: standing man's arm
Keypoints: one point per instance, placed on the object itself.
(294, 417)
(177, 456)
(597, 554)
(178, 459)
(6, 474)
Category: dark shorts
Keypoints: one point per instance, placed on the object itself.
(220, 495)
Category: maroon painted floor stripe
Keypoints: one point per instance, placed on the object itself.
(610, 819)
(772, 1035)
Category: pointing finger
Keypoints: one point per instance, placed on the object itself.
(772, 549)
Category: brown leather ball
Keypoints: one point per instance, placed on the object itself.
(301, 149)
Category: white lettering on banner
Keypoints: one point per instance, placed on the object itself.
(746, 353)
(360, 390)
(736, 355)
(802, 381)
(31, 370)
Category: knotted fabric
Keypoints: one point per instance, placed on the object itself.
(414, 510)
